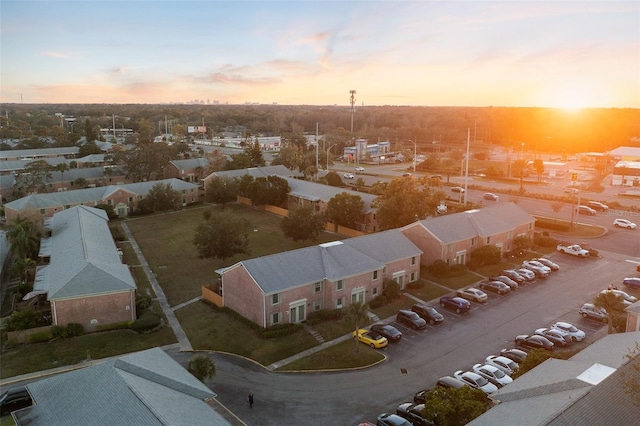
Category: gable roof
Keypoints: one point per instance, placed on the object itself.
(256, 172)
(586, 389)
(84, 257)
(316, 191)
(491, 220)
(332, 261)
(39, 152)
(190, 163)
(143, 388)
(77, 196)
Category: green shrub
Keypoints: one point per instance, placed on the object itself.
(280, 330)
(323, 315)
(554, 226)
(391, 289)
(147, 321)
(41, 336)
(24, 320)
(439, 268)
(74, 329)
(485, 255)
(545, 241)
(378, 301)
(115, 326)
(142, 303)
(70, 330)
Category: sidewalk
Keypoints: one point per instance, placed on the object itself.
(183, 340)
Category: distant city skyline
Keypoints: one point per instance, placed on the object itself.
(566, 54)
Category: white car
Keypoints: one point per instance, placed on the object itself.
(537, 268)
(503, 363)
(549, 264)
(576, 334)
(624, 223)
(348, 176)
(527, 274)
(359, 169)
(627, 297)
(476, 381)
(493, 374)
(472, 293)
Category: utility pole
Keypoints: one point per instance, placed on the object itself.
(353, 107)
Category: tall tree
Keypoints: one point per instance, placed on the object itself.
(89, 148)
(34, 176)
(202, 367)
(217, 161)
(454, 407)
(303, 224)
(89, 133)
(161, 198)
(357, 312)
(24, 237)
(223, 190)
(222, 236)
(62, 167)
(345, 209)
(403, 202)
(270, 190)
(613, 304)
(146, 160)
(538, 166)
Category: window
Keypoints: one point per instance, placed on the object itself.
(184, 192)
(340, 303)
(317, 287)
(375, 275)
(473, 241)
(131, 199)
(110, 202)
(275, 299)
(374, 291)
(488, 240)
(530, 226)
(413, 260)
(413, 276)
(317, 305)
(275, 318)
(339, 285)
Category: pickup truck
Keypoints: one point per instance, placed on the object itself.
(573, 249)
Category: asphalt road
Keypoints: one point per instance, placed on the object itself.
(347, 398)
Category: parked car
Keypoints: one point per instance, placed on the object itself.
(624, 223)
(411, 319)
(528, 275)
(586, 210)
(457, 189)
(546, 262)
(371, 338)
(574, 333)
(495, 286)
(515, 355)
(534, 342)
(390, 332)
(359, 169)
(589, 310)
(627, 297)
(572, 191)
(632, 282)
(449, 382)
(493, 374)
(407, 174)
(476, 381)
(388, 419)
(472, 293)
(428, 313)
(505, 364)
(413, 413)
(534, 265)
(555, 336)
(457, 304)
(15, 399)
(504, 279)
(596, 205)
(348, 176)
(514, 275)
(490, 196)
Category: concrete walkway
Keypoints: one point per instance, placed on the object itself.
(183, 341)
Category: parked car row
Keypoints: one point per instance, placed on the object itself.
(558, 335)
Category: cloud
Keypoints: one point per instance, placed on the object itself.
(55, 54)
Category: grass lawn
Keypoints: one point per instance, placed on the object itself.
(454, 283)
(25, 359)
(391, 309)
(428, 292)
(330, 330)
(343, 355)
(211, 329)
(166, 241)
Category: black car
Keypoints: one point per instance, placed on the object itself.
(515, 355)
(534, 342)
(410, 319)
(413, 413)
(457, 304)
(14, 399)
(390, 332)
(495, 286)
(429, 313)
(504, 279)
(511, 273)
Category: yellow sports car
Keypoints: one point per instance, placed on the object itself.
(371, 338)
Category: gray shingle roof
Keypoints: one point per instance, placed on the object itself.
(258, 172)
(190, 163)
(483, 222)
(69, 150)
(317, 191)
(143, 388)
(332, 261)
(84, 257)
(77, 196)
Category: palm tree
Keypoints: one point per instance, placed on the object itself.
(21, 267)
(62, 167)
(613, 304)
(357, 311)
(23, 235)
(202, 367)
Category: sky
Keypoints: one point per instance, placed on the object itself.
(568, 54)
